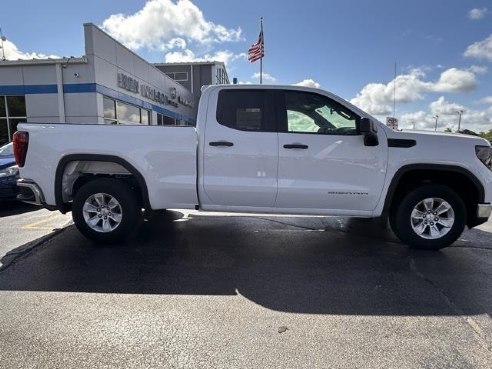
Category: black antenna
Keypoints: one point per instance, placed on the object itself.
(394, 94)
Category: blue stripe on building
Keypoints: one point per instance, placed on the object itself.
(74, 88)
(87, 88)
(28, 89)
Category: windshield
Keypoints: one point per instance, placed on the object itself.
(7, 150)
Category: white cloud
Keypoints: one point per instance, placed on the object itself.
(481, 49)
(377, 98)
(487, 100)
(161, 21)
(266, 77)
(188, 55)
(308, 83)
(448, 117)
(478, 69)
(13, 53)
(417, 120)
(476, 13)
(454, 80)
(442, 107)
(175, 43)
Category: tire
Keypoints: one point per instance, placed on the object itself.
(106, 210)
(431, 217)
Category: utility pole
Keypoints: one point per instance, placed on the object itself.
(436, 117)
(460, 112)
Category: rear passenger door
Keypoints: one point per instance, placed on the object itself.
(240, 150)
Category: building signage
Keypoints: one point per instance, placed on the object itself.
(130, 84)
(185, 102)
(172, 92)
(127, 83)
(156, 95)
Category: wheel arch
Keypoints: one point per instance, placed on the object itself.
(64, 206)
(461, 180)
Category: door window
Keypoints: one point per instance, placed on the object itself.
(246, 110)
(307, 112)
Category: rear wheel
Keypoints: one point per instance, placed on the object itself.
(105, 210)
(432, 216)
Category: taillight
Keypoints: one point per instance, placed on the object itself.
(21, 142)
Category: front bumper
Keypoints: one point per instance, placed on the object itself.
(484, 211)
(30, 192)
(483, 214)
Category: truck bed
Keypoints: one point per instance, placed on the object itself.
(166, 154)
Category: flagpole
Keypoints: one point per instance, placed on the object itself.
(261, 59)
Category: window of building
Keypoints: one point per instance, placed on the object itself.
(12, 112)
(222, 78)
(246, 110)
(145, 116)
(127, 114)
(118, 112)
(307, 112)
(164, 120)
(109, 106)
(178, 76)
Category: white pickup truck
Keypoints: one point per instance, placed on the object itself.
(268, 149)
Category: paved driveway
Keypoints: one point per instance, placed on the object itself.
(216, 291)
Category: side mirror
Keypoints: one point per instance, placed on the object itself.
(370, 131)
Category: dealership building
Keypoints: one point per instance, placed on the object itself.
(108, 85)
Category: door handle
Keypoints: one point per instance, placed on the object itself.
(296, 146)
(221, 143)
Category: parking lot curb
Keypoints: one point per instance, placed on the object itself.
(13, 256)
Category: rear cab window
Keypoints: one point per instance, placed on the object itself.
(246, 110)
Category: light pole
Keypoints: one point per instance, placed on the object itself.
(2, 38)
(460, 112)
(436, 117)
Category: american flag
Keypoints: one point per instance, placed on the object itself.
(257, 50)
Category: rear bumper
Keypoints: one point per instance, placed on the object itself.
(8, 187)
(30, 192)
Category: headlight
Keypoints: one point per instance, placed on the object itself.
(10, 171)
(484, 153)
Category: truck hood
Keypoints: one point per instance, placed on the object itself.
(429, 136)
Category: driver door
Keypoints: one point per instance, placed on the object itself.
(324, 166)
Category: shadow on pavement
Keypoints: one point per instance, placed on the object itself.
(297, 265)
(14, 207)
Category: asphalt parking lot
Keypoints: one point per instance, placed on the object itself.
(192, 290)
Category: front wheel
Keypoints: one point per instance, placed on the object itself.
(105, 210)
(430, 217)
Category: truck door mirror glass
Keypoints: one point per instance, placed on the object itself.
(369, 129)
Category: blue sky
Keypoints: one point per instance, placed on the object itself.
(443, 49)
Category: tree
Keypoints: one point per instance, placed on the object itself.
(469, 132)
(487, 136)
